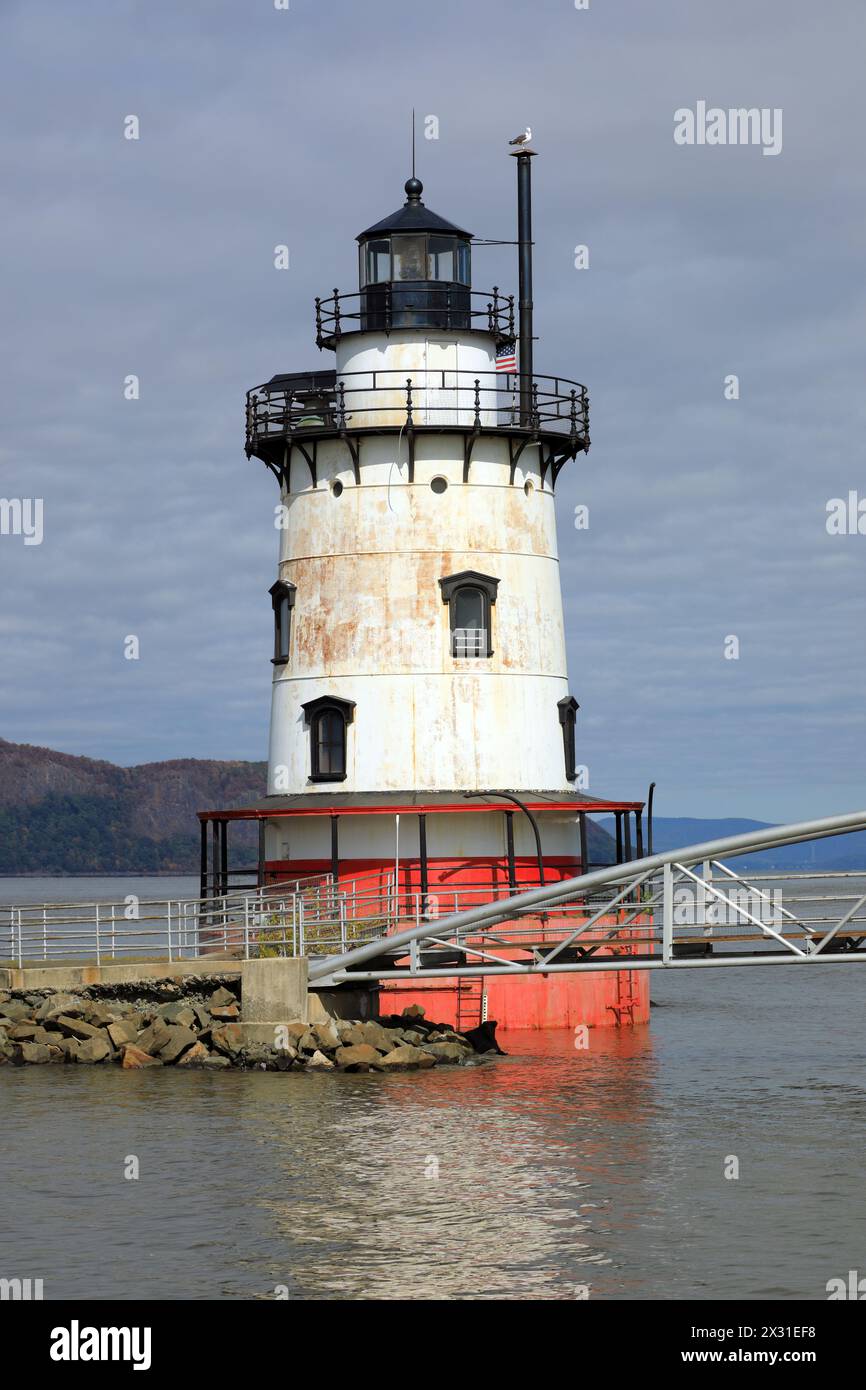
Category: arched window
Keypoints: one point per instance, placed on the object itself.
(328, 719)
(470, 597)
(283, 600)
(568, 708)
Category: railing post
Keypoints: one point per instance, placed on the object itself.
(98, 958)
(409, 419)
(668, 914)
(168, 928)
(20, 946)
(318, 323)
(342, 921)
(246, 928)
(342, 414)
(336, 312)
(477, 403)
(301, 942)
(113, 941)
(44, 934)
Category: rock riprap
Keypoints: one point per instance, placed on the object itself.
(199, 1025)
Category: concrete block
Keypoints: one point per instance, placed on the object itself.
(274, 990)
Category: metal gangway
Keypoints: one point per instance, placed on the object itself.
(684, 908)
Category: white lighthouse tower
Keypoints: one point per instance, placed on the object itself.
(422, 720)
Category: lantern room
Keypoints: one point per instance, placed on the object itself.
(414, 269)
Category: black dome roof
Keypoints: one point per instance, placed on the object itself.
(413, 216)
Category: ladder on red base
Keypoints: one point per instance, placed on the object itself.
(470, 1002)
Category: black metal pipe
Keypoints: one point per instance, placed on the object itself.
(215, 858)
(584, 844)
(618, 817)
(224, 857)
(649, 818)
(638, 824)
(261, 864)
(202, 892)
(524, 281)
(509, 845)
(335, 850)
(422, 848)
(627, 821)
(506, 796)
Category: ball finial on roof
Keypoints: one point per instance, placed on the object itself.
(414, 188)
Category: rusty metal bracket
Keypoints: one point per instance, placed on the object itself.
(311, 460)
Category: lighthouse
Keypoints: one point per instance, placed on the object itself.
(423, 727)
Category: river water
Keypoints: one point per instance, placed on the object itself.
(554, 1173)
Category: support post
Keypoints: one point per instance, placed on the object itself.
(638, 828)
(509, 843)
(618, 818)
(215, 859)
(668, 915)
(335, 850)
(261, 865)
(524, 280)
(224, 858)
(202, 891)
(584, 844)
(422, 852)
(627, 822)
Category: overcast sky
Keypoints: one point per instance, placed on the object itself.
(260, 126)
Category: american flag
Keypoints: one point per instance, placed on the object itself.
(506, 360)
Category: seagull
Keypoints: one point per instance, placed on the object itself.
(523, 139)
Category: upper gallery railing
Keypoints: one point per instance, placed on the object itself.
(393, 399)
(380, 308)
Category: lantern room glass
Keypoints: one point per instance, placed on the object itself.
(409, 257)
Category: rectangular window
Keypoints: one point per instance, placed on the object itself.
(410, 257)
(377, 269)
(440, 258)
(462, 277)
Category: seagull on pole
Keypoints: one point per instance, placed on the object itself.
(523, 139)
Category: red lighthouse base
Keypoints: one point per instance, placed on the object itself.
(600, 999)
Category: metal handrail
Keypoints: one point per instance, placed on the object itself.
(389, 399)
(383, 306)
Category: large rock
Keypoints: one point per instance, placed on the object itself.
(179, 1041)
(326, 1035)
(56, 1004)
(99, 1015)
(15, 1010)
(414, 1011)
(228, 1038)
(154, 1037)
(76, 1027)
(135, 1058)
(220, 998)
(23, 1032)
(179, 1013)
(123, 1031)
(224, 1013)
(7, 1049)
(319, 1062)
(357, 1055)
(448, 1051)
(36, 1054)
(197, 1054)
(68, 1047)
(405, 1058)
(94, 1050)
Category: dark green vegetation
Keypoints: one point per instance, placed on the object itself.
(61, 814)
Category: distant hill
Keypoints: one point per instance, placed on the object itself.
(61, 814)
(839, 852)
